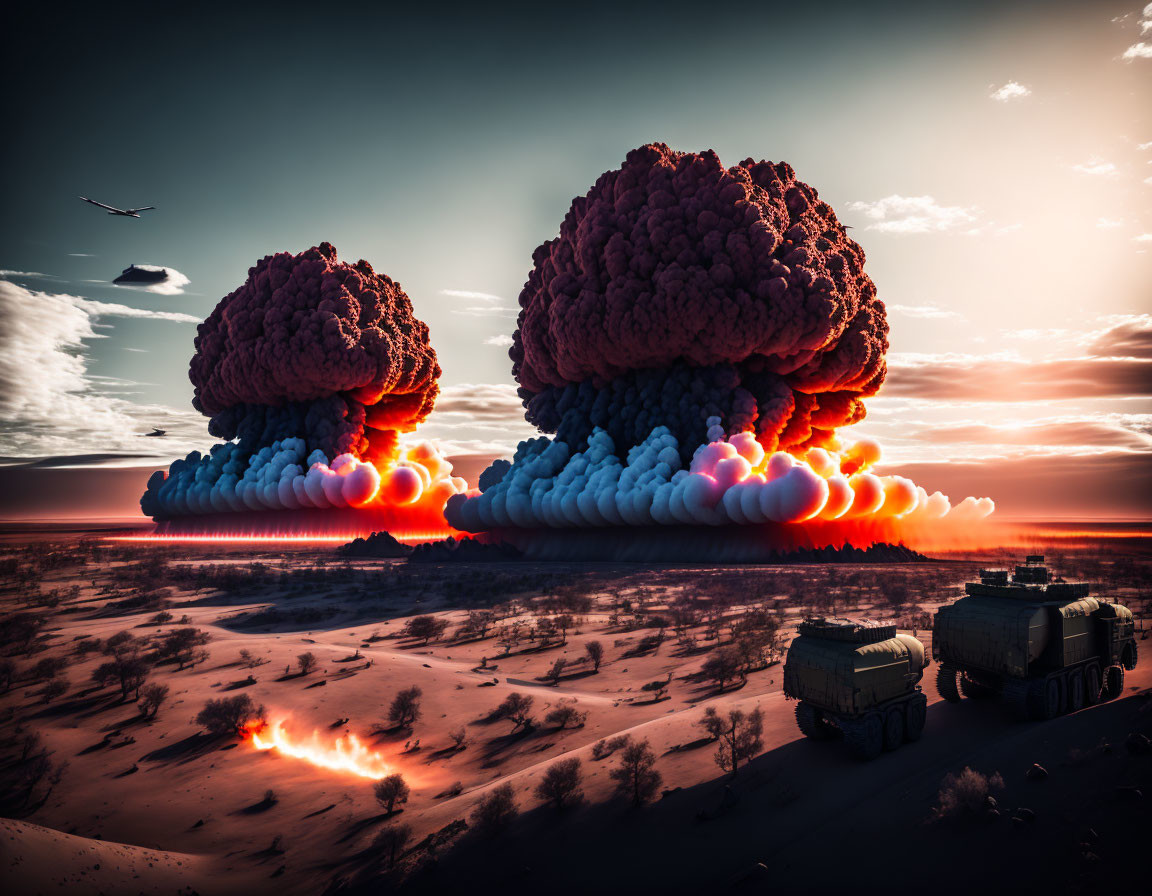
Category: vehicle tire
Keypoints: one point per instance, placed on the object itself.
(1044, 698)
(865, 737)
(893, 728)
(946, 684)
(812, 723)
(1015, 692)
(973, 690)
(915, 715)
(1092, 694)
(1075, 690)
(1113, 682)
(1130, 656)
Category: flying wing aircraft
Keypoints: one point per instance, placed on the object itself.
(123, 212)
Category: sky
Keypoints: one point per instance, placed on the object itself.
(995, 160)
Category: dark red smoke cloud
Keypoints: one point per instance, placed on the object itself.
(673, 262)
(307, 327)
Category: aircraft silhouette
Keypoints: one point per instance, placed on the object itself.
(155, 434)
(123, 212)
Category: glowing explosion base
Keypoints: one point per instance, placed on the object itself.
(768, 543)
(405, 524)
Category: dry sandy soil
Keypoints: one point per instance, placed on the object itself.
(158, 806)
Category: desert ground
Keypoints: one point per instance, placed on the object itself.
(103, 796)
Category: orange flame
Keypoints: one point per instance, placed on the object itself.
(346, 754)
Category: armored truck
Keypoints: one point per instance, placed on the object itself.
(859, 679)
(1044, 645)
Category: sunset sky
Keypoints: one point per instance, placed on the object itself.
(994, 160)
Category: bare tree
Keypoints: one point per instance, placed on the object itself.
(152, 697)
(391, 791)
(128, 670)
(561, 783)
(306, 662)
(390, 842)
(405, 709)
(739, 735)
(595, 651)
(564, 716)
(636, 777)
(425, 628)
(495, 811)
(459, 736)
(558, 667)
(722, 667)
(56, 687)
(184, 646)
(230, 715)
(517, 708)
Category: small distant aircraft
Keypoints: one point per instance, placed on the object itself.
(155, 434)
(123, 212)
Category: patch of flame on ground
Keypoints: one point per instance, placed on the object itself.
(346, 753)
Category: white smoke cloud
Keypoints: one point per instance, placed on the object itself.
(284, 476)
(729, 481)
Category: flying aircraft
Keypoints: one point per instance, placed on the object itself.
(155, 434)
(123, 212)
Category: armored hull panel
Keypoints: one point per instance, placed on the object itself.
(849, 677)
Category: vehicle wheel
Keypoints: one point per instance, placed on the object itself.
(946, 684)
(1092, 694)
(812, 723)
(1113, 682)
(973, 690)
(914, 718)
(893, 728)
(1015, 692)
(1044, 698)
(865, 737)
(1130, 656)
(1075, 690)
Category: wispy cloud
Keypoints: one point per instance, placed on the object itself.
(26, 275)
(1095, 166)
(1013, 90)
(913, 214)
(1115, 362)
(471, 294)
(492, 305)
(1108, 223)
(112, 309)
(1141, 50)
(502, 340)
(930, 312)
(1143, 238)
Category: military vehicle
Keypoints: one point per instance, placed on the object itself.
(860, 679)
(1042, 644)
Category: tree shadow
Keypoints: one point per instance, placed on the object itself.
(186, 750)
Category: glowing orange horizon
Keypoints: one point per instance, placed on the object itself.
(298, 538)
(345, 754)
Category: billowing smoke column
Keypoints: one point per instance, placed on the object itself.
(694, 337)
(310, 369)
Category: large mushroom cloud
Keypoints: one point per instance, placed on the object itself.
(694, 337)
(310, 370)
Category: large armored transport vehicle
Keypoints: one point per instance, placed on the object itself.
(858, 678)
(1045, 646)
